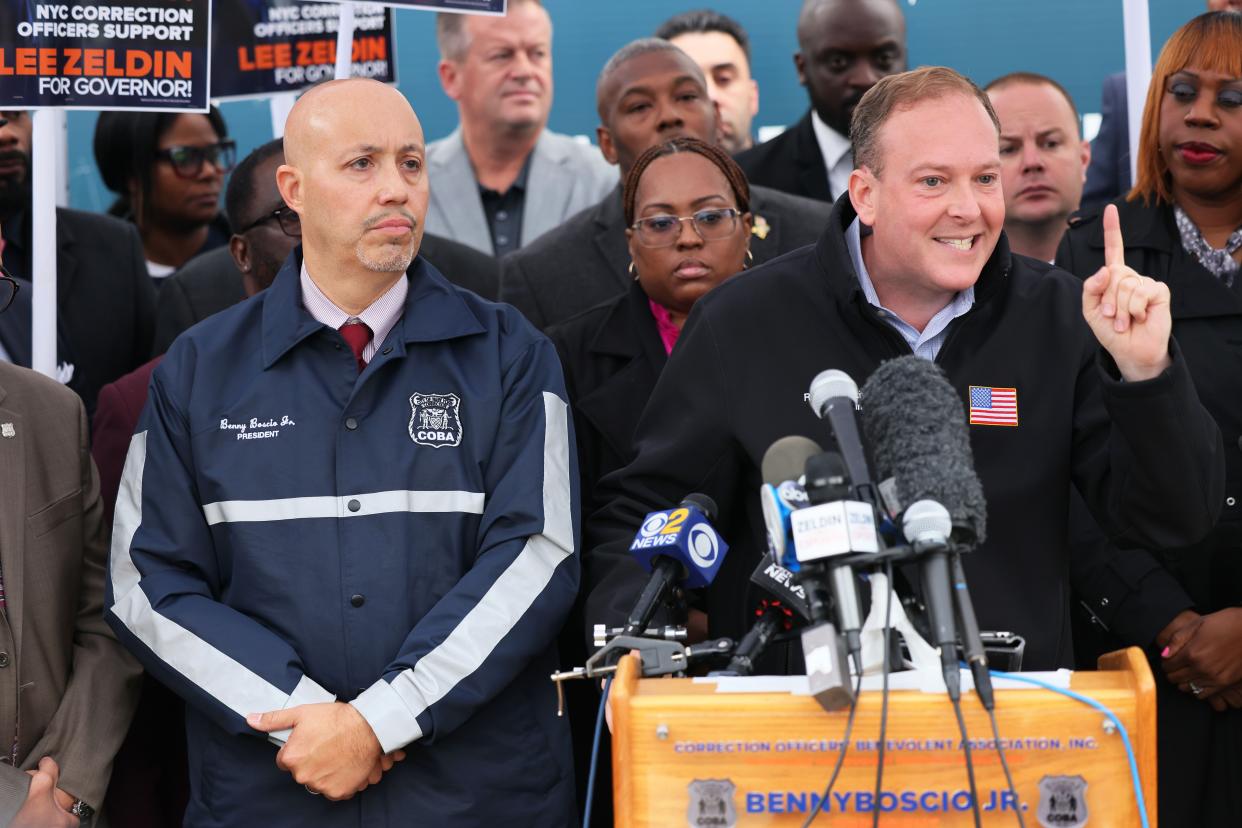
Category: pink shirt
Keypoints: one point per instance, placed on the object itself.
(380, 316)
(664, 324)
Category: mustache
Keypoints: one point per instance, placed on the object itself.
(376, 220)
(9, 156)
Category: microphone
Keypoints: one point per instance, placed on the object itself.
(927, 526)
(676, 546)
(781, 493)
(915, 422)
(784, 601)
(834, 397)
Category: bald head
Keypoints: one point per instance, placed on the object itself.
(354, 172)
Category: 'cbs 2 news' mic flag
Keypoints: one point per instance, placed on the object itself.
(112, 54)
(260, 47)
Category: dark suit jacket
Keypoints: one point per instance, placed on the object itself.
(612, 355)
(15, 335)
(105, 297)
(791, 162)
(78, 684)
(1108, 174)
(584, 262)
(211, 282)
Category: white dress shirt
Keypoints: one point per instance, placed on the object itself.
(838, 155)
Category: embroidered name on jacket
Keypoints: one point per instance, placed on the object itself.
(256, 428)
(435, 419)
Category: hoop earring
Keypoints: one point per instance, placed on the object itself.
(632, 272)
(750, 257)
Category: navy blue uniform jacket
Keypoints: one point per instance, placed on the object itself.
(289, 531)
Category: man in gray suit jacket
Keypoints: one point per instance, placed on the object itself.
(501, 178)
(649, 92)
(78, 686)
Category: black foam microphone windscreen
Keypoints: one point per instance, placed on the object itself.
(916, 425)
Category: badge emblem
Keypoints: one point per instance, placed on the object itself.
(711, 804)
(1062, 802)
(7, 430)
(435, 419)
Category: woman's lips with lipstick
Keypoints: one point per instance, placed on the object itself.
(1194, 152)
(691, 269)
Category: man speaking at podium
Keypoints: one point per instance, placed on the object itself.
(914, 260)
(346, 522)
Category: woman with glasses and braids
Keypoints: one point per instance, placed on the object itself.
(687, 207)
(1182, 225)
(167, 170)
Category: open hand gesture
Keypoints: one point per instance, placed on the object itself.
(1128, 313)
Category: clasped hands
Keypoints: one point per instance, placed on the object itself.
(332, 750)
(1128, 313)
(1203, 653)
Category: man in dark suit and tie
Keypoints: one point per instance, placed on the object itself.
(648, 92)
(105, 299)
(77, 685)
(844, 47)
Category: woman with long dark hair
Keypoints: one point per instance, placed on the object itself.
(167, 170)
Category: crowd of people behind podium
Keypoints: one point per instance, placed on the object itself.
(606, 251)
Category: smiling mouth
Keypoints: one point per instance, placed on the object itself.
(958, 244)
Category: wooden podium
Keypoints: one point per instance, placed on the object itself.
(687, 754)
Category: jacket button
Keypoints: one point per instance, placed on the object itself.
(1231, 501)
(1103, 602)
(351, 423)
(353, 505)
(4, 659)
(357, 600)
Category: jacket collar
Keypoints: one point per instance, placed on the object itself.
(434, 311)
(13, 526)
(834, 260)
(610, 235)
(629, 329)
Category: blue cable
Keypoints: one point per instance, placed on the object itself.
(599, 733)
(1125, 736)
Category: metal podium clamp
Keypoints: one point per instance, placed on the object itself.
(602, 634)
(659, 657)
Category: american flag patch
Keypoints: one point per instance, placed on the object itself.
(993, 406)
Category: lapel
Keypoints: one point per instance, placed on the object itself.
(615, 405)
(12, 513)
(460, 208)
(66, 261)
(554, 183)
(610, 236)
(1154, 247)
(810, 160)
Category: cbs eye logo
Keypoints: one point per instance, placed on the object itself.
(664, 523)
(703, 544)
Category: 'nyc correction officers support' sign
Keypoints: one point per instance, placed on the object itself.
(264, 46)
(119, 54)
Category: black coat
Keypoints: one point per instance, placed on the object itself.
(736, 383)
(1200, 753)
(612, 355)
(211, 282)
(105, 300)
(791, 162)
(585, 261)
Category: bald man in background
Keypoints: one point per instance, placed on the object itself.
(346, 528)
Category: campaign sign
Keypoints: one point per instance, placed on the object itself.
(260, 47)
(459, 6)
(111, 54)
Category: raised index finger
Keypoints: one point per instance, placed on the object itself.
(1114, 246)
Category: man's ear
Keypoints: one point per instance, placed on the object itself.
(450, 79)
(289, 182)
(1086, 158)
(603, 136)
(862, 189)
(240, 251)
(800, 67)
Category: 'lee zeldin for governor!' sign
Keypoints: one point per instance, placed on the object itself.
(265, 46)
(119, 54)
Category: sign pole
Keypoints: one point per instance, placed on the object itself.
(1137, 24)
(48, 141)
(345, 41)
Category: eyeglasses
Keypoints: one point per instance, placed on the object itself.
(290, 221)
(663, 231)
(8, 289)
(187, 162)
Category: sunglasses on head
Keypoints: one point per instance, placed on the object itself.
(187, 162)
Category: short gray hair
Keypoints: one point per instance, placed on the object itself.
(451, 36)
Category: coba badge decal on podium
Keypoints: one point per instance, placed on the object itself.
(1062, 802)
(711, 804)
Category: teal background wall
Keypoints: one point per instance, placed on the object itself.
(1077, 42)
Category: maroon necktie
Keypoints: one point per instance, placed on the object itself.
(357, 335)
